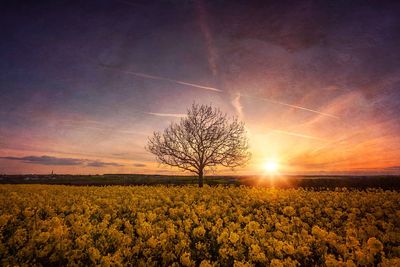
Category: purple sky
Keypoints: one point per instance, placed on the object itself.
(83, 83)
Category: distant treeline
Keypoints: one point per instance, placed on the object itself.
(315, 182)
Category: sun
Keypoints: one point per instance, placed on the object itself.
(271, 166)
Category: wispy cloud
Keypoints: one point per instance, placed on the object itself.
(55, 161)
(154, 77)
(139, 165)
(291, 106)
(176, 115)
(102, 164)
(393, 168)
(238, 106)
(205, 30)
(299, 135)
(47, 160)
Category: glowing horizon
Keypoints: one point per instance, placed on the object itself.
(318, 92)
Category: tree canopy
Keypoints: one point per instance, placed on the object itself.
(204, 139)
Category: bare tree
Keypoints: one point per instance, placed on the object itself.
(203, 139)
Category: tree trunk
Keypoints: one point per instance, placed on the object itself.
(201, 178)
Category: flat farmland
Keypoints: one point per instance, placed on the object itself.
(387, 182)
(189, 226)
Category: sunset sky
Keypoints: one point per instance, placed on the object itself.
(84, 83)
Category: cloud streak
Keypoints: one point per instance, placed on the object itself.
(299, 135)
(154, 77)
(139, 165)
(238, 106)
(393, 168)
(176, 115)
(205, 30)
(55, 161)
(103, 164)
(292, 106)
(47, 160)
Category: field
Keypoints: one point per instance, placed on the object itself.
(316, 182)
(184, 225)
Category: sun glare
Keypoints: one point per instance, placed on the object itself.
(271, 166)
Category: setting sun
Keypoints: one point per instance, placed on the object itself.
(271, 166)
(200, 133)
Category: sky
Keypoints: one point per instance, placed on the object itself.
(83, 84)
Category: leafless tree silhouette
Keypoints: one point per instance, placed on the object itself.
(205, 138)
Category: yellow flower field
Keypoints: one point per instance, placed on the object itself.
(212, 226)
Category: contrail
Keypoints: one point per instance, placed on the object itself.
(167, 114)
(292, 106)
(153, 77)
(202, 20)
(299, 135)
